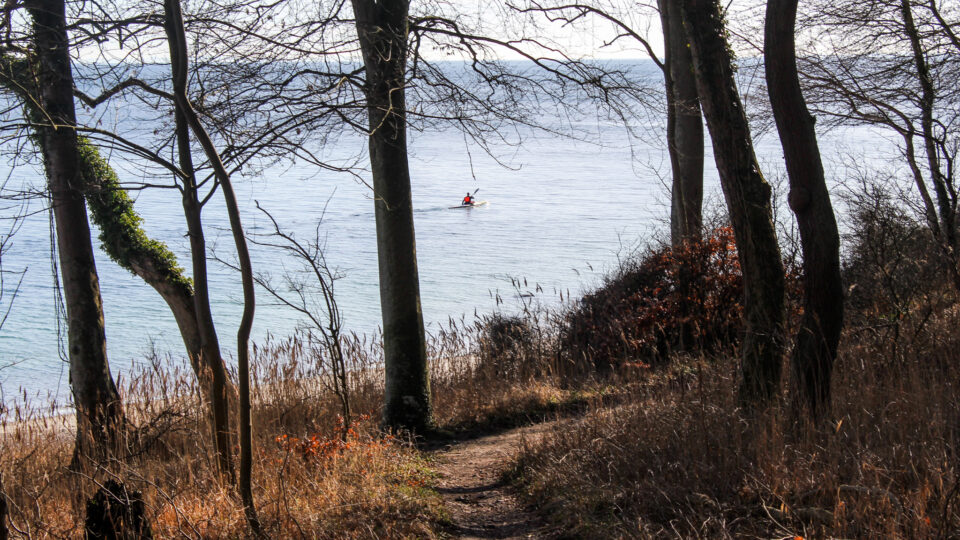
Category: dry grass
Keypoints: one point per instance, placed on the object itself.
(308, 482)
(680, 460)
(485, 377)
(677, 458)
(663, 300)
(668, 455)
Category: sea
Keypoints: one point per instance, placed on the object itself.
(561, 213)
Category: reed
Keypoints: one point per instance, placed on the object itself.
(677, 458)
(310, 479)
(659, 448)
(314, 474)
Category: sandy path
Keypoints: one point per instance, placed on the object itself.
(479, 504)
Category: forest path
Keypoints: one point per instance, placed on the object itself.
(480, 505)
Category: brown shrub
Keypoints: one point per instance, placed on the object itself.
(507, 347)
(681, 460)
(689, 298)
(892, 264)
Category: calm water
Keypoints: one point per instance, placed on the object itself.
(558, 217)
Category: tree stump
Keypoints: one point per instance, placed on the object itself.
(4, 534)
(116, 514)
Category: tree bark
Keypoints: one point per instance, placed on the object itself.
(748, 200)
(684, 128)
(382, 31)
(112, 211)
(179, 63)
(100, 417)
(946, 195)
(212, 370)
(150, 260)
(819, 333)
(126, 243)
(4, 533)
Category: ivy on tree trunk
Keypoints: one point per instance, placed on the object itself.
(747, 195)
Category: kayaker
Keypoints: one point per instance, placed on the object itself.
(468, 200)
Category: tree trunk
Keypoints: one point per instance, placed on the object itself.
(124, 240)
(4, 533)
(819, 332)
(127, 244)
(213, 373)
(748, 200)
(684, 128)
(946, 194)
(100, 418)
(178, 61)
(382, 30)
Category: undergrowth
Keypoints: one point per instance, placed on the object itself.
(681, 460)
(660, 449)
(664, 301)
(313, 476)
(677, 458)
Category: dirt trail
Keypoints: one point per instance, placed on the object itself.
(479, 504)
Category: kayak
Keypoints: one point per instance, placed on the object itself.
(480, 203)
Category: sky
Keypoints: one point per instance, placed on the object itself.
(589, 37)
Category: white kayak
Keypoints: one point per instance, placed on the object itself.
(474, 205)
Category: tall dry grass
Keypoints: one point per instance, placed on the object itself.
(310, 479)
(314, 474)
(677, 458)
(681, 460)
(502, 371)
(670, 454)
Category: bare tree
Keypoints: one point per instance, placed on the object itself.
(312, 297)
(100, 417)
(260, 108)
(684, 128)
(684, 125)
(247, 119)
(179, 63)
(819, 332)
(387, 33)
(127, 244)
(748, 201)
(112, 211)
(214, 370)
(484, 100)
(893, 64)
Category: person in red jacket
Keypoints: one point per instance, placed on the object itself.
(468, 200)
